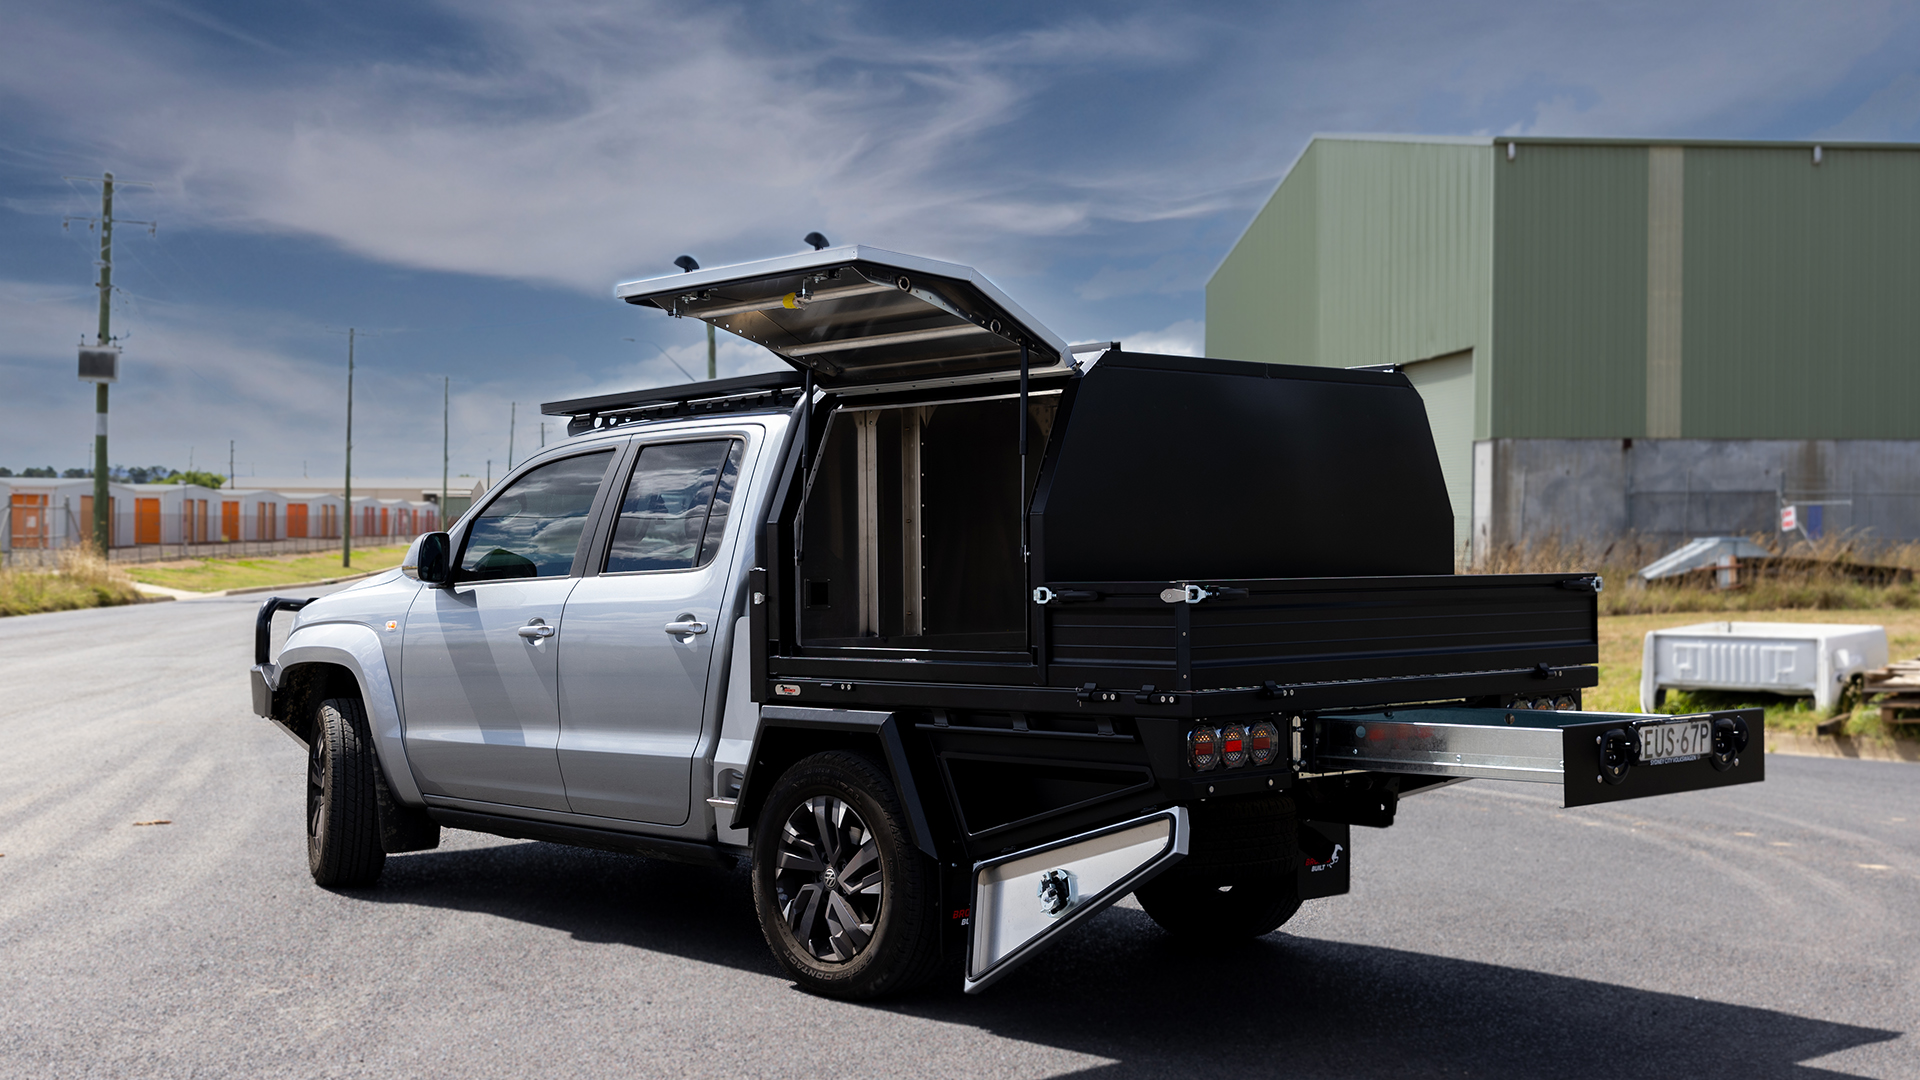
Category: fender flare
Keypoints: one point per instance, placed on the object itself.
(357, 648)
(802, 721)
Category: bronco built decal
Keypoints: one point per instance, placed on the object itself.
(786, 689)
(1314, 865)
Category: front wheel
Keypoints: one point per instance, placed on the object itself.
(846, 902)
(343, 810)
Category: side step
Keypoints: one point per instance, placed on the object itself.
(1595, 757)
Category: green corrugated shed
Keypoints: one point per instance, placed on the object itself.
(1595, 288)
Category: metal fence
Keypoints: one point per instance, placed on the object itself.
(35, 537)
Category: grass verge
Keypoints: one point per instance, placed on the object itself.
(215, 575)
(1824, 578)
(1622, 638)
(83, 580)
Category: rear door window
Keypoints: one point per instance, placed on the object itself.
(533, 529)
(676, 506)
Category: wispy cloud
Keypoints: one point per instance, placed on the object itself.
(1096, 159)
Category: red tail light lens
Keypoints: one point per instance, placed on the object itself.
(1203, 748)
(1263, 742)
(1233, 746)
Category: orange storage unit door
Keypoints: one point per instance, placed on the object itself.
(86, 521)
(384, 531)
(28, 518)
(146, 521)
(296, 521)
(200, 521)
(229, 521)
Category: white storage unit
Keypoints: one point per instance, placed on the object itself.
(1813, 659)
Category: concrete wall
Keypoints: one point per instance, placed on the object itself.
(1669, 490)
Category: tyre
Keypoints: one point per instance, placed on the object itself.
(847, 903)
(1199, 910)
(1240, 878)
(343, 810)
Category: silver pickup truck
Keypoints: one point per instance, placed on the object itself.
(958, 634)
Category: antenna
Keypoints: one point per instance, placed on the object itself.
(815, 239)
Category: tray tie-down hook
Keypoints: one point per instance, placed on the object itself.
(1044, 596)
(1193, 594)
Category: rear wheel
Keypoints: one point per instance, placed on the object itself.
(343, 811)
(1203, 911)
(1240, 878)
(846, 902)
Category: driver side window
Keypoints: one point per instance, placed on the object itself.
(533, 528)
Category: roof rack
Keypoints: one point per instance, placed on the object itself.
(768, 390)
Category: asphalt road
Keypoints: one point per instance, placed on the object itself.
(1769, 930)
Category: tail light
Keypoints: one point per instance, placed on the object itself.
(1203, 748)
(1233, 746)
(1263, 742)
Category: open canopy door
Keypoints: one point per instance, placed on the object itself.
(859, 316)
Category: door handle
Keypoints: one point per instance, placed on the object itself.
(535, 630)
(686, 628)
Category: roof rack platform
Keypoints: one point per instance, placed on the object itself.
(767, 390)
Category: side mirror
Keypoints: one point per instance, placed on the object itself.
(427, 560)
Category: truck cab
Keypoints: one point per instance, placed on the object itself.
(957, 635)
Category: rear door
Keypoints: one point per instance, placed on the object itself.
(640, 630)
(479, 668)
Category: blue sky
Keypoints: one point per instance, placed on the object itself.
(465, 182)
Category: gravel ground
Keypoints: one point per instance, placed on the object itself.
(1769, 930)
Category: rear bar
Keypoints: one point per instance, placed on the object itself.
(1595, 757)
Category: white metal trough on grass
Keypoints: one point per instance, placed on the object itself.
(1797, 659)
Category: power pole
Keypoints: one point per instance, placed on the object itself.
(712, 372)
(102, 523)
(103, 342)
(446, 396)
(346, 509)
(513, 409)
(230, 483)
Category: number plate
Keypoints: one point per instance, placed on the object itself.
(1682, 740)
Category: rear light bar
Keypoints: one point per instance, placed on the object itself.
(1233, 746)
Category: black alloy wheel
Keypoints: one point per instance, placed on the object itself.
(846, 901)
(828, 880)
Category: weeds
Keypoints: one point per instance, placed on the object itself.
(1824, 575)
(82, 580)
(1795, 714)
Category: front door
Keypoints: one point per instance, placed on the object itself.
(638, 637)
(479, 665)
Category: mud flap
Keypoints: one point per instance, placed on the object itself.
(1024, 901)
(1326, 859)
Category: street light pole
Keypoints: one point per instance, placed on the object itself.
(446, 396)
(346, 510)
